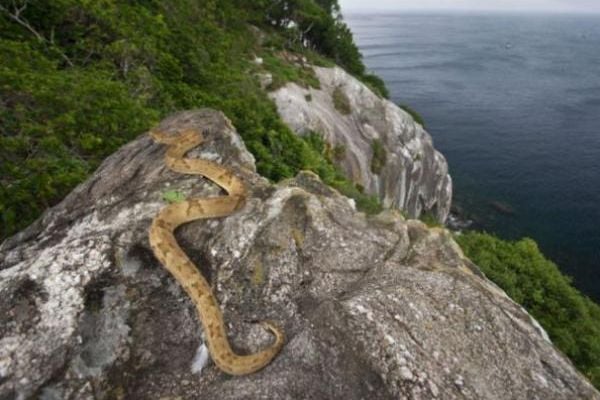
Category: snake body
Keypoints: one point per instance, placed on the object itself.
(174, 259)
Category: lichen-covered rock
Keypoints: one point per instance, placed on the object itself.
(376, 143)
(373, 307)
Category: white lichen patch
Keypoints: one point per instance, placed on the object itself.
(62, 272)
(200, 359)
(4, 363)
(359, 308)
(246, 158)
(210, 156)
(274, 205)
(406, 374)
(129, 265)
(107, 336)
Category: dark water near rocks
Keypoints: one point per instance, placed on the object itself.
(513, 102)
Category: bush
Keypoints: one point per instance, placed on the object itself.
(571, 319)
(313, 24)
(379, 157)
(376, 84)
(331, 175)
(415, 115)
(338, 153)
(284, 71)
(57, 125)
(430, 220)
(341, 102)
(97, 74)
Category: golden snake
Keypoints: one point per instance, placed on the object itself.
(175, 260)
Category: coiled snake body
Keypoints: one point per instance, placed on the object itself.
(174, 259)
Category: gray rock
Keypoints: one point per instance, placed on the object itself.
(414, 177)
(373, 307)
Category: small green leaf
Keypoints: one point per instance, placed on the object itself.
(173, 196)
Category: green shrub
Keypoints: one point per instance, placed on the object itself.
(430, 220)
(316, 25)
(101, 73)
(364, 202)
(379, 157)
(331, 175)
(571, 319)
(57, 125)
(104, 72)
(286, 71)
(376, 84)
(341, 102)
(415, 115)
(338, 152)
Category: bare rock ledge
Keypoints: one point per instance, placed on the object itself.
(373, 307)
(414, 176)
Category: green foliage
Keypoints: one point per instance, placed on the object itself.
(86, 77)
(366, 203)
(376, 84)
(430, 220)
(316, 26)
(173, 196)
(415, 115)
(338, 152)
(322, 165)
(379, 157)
(341, 101)
(571, 319)
(285, 71)
(56, 125)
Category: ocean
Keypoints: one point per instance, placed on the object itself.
(513, 102)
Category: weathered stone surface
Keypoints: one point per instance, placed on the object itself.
(415, 176)
(373, 307)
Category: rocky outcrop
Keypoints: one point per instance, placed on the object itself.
(413, 176)
(373, 307)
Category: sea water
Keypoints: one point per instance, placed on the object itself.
(513, 102)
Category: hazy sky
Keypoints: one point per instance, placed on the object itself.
(506, 5)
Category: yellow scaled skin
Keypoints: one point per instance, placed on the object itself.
(174, 259)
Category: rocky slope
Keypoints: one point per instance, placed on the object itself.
(373, 307)
(413, 177)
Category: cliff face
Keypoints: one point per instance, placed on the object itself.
(373, 307)
(410, 175)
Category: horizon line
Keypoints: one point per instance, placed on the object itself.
(469, 10)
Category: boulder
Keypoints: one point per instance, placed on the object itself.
(374, 307)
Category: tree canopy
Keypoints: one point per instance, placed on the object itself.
(80, 78)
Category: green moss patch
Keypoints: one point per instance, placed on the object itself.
(379, 157)
(341, 101)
